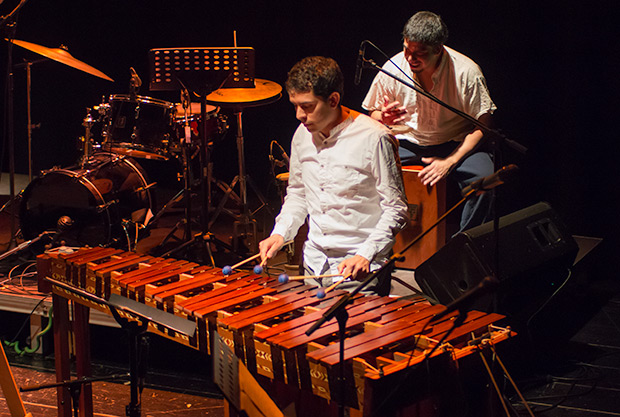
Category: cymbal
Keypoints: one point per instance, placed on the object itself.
(63, 56)
(264, 92)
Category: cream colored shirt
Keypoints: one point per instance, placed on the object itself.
(350, 186)
(458, 81)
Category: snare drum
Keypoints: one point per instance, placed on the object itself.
(217, 124)
(140, 127)
(97, 198)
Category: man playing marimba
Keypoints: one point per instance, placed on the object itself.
(344, 175)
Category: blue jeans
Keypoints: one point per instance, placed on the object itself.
(477, 209)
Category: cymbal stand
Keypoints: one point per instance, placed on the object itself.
(186, 193)
(206, 178)
(88, 124)
(10, 28)
(187, 184)
(245, 224)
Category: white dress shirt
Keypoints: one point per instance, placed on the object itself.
(350, 186)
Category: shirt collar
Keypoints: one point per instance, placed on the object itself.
(333, 133)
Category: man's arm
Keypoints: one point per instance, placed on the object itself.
(439, 168)
(391, 113)
(393, 206)
(293, 212)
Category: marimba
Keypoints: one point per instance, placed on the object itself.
(264, 322)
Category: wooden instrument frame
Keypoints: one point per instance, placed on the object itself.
(264, 323)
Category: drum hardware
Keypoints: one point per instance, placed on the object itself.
(280, 181)
(125, 225)
(139, 126)
(103, 207)
(264, 92)
(61, 55)
(217, 126)
(94, 124)
(87, 140)
(146, 187)
(134, 83)
(219, 67)
(187, 223)
(97, 195)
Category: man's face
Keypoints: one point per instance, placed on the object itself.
(420, 57)
(316, 114)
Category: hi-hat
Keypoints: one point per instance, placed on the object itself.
(264, 92)
(63, 56)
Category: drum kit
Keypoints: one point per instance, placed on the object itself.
(106, 199)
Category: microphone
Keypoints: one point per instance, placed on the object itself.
(488, 284)
(491, 181)
(360, 63)
(283, 154)
(286, 158)
(135, 78)
(64, 223)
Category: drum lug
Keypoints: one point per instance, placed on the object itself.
(103, 207)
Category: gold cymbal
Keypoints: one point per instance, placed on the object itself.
(63, 56)
(264, 92)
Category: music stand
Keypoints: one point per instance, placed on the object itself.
(201, 70)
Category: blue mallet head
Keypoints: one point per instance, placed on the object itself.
(320, 294)
(227, 270)
(258, 269)
(283, 278)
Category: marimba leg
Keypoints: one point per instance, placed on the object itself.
(83, 365)
(61, 353)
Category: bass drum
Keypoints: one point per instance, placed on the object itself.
(88, 204)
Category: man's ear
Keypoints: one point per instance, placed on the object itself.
(334, 99)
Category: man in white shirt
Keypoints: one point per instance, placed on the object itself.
(344, 176)
(428, 133)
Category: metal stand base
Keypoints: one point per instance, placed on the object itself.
(245, 223)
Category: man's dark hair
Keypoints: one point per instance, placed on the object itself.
(319, 75)
(426, 28)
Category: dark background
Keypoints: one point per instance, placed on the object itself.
(551, 70)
